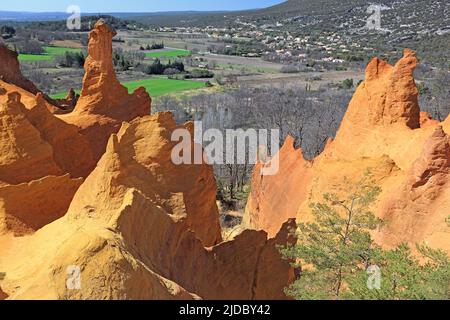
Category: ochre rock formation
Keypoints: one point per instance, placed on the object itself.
(94, 191)
(66, 104)
(22, 146)
(41, 156)
(10, 70)
(28, 113)
(384, 131)
(389, 94)
(268, 192)
(142, 228)
(104, 103)
(27, 98)
(10, 73)
(388, 98)
(426, 120)
(138, 226)
(71, 150)
(143, 161)
(35, 183)
(52, 146)
(27, 207)
(3, 295)
(416, 212)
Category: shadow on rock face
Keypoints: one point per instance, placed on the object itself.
(3, 295)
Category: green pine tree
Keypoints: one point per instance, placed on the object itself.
(337, 259)
(337, 245)
(404, 277)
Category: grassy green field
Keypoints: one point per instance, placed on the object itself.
(155, 87)
(168, 54)
(34, 57)
(160, 86)
(49, 54)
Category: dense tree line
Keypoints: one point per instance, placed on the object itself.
(7, 32)
(29, 47)
(159, 68)
(153, 46)
(125, 60)
(71, 59)
(87, 23)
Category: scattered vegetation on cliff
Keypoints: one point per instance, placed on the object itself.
(336, 257)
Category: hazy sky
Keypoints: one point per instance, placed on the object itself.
(97, 6)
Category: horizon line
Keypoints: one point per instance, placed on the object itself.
(134, 12)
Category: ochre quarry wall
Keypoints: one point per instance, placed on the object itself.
(140, 227)
(39, 170)
(383, 130)
(95, 189)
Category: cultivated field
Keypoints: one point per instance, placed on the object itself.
(48, 55)
(314, 80)
(178, 47)
(156, 87)
(237, 62)
(168, 54)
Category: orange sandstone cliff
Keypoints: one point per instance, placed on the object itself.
(95, 190)
(417, 210)
(10, 73)
(384, 131)
(136, 235)
(267, 191)
(10, 70)
(42, 157)
(38, 173)
(104, 103)
(133, 224)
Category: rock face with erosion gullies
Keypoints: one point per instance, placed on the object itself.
(22, 146)
(71, 150)
(10, 73)
(95, 191)
(272, 193)
(34, 188)
(418, 209)
(10, 70)
(383, 130)
(3, 295)
(387, 99)
(104, 103)
(140, 156)
(388, 95)
(142, 228)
